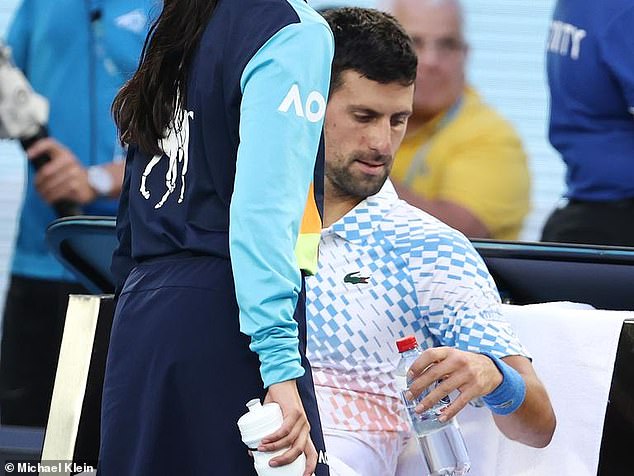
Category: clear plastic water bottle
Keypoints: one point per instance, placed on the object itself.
(441, 443)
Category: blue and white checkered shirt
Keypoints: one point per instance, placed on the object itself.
(387, 270)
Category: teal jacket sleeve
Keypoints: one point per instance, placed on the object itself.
(284, 87)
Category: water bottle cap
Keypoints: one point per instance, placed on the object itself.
(259, 421)
(406, 343)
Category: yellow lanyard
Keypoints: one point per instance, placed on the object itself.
(417, 165)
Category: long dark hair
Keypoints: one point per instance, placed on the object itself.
(146, 104)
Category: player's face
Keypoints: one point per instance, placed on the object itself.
(364, 126)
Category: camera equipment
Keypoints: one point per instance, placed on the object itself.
(23, 116)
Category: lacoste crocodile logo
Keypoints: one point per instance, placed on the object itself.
(352, 279)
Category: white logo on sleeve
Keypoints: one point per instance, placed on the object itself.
(133, 21)
(565, 39)
(175, 145)
(313, 109)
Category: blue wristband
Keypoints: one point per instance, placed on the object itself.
(510, 394)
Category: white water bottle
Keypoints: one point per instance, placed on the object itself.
(258, 422)
(441, 443)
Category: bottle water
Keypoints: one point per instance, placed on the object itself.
(442, 443)
(258, 422)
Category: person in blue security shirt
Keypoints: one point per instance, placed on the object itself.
(591, 78)
(77, 54)
(218, 223)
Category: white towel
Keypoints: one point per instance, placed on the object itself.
(574, 350)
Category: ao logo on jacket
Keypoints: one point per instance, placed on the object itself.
(313, 109)
(175, 145)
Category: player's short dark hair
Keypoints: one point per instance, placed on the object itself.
(373, 44)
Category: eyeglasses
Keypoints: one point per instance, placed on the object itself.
(442, 46)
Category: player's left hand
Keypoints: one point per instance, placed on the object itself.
(473, 375)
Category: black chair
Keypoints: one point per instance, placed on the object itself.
(84, 245)
(528, 273)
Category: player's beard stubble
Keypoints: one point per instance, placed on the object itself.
(348, 177)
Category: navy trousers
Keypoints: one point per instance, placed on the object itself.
(597, 223)
(32, 328)
(179, 374)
